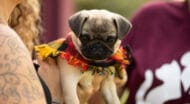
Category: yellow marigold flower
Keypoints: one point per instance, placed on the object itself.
(45, 51)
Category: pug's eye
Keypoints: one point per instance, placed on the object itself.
(84, 37)
(110, 39)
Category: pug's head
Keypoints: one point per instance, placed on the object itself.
(98, 33)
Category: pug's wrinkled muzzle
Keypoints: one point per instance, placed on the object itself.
(96, 51)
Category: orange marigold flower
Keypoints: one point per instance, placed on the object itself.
(84, 67)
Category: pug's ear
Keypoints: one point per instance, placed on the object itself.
(77, 20)
(123, 25)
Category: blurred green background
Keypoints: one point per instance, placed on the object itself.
(124, 7)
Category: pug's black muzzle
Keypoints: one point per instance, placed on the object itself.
(96, 51)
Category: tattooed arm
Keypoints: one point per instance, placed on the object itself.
(19, 83)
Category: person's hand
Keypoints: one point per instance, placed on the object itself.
(49, 72)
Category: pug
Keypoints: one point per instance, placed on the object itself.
(96, 35)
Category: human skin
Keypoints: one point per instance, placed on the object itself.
(19, 83)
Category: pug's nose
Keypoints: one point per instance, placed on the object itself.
(96, 51)
(97, 48)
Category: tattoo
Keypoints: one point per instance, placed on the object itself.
(18, 80)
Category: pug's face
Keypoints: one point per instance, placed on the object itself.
(98, 33)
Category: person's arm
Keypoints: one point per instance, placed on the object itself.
(50, 73)
(19, 83)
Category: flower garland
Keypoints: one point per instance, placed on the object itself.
(69, 53)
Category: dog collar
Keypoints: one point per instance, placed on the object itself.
(66, 50)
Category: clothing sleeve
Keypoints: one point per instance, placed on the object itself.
(141, 39)
(143, 20)
(144, 24)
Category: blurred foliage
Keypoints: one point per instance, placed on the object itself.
(124, 7)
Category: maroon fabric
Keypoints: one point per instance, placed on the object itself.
(160, 42)
(50, 19)
(55, 15)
